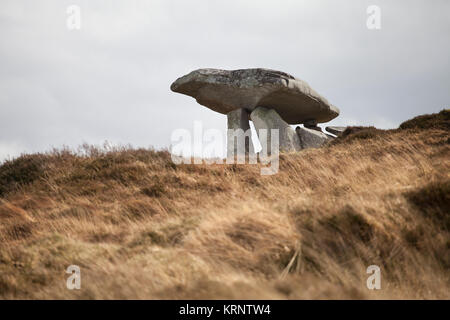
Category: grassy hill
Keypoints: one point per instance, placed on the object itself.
(141, 227)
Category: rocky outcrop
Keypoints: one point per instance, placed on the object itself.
(311, 138)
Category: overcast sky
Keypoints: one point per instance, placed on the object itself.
(110, 80)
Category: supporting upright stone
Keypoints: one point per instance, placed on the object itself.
(311, 138)
(239, 140)
(268, 119)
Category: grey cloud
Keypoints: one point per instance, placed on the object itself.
(110, 80)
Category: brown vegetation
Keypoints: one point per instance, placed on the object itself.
(141, 227)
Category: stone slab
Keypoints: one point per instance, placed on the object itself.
(224, 91)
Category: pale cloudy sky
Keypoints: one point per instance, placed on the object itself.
(110, 80)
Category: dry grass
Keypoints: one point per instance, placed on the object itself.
(141, 227)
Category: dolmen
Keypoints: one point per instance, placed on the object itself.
(271, 99)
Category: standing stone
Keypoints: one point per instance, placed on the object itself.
(311, 138)
(268, 119)
(239, 140)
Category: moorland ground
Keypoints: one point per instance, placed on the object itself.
(139, 226)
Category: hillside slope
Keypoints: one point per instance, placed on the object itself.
(139, 226)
